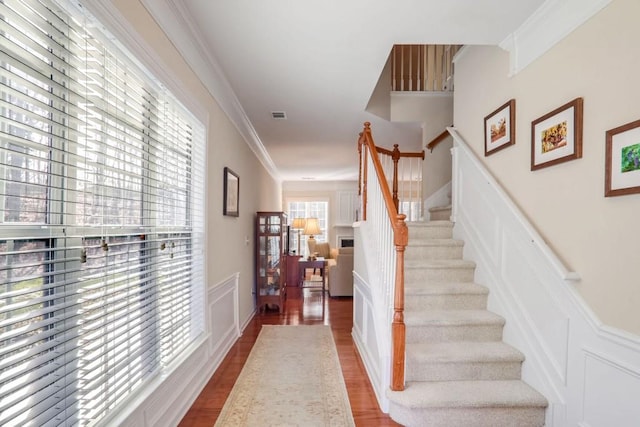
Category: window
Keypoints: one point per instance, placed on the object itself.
(310, 209)
(101, 220)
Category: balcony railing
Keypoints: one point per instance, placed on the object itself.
(422, 68)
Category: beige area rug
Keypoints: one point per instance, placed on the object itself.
(291, 378)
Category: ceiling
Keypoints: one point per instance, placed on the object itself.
(319, 62)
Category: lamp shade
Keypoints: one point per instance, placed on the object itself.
(298, 223)
(311, 227)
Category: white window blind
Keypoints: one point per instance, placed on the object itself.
(101, 219)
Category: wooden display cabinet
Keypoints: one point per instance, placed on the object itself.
(271, 260)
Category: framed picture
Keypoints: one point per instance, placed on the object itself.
(622, 160)
(500, 128)
(556, 137)
(231, 193)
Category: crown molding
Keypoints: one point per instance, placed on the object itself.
(550, 23)
(174, 19)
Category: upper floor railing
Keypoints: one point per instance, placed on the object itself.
(422, 68)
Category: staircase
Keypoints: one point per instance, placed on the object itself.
(458, 370)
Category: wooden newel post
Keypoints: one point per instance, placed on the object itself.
(360, 142)
(367, 133)
(395, 157)
(398, 330)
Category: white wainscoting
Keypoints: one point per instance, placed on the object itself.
(165, 402)
(364, 336)
(590, 373)
(368, 329)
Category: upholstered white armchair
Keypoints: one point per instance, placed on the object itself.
(341, 272)
(322, 249)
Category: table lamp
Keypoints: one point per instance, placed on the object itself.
(311, 227)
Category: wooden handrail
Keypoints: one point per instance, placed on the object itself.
(437, 140)
(396, 155)
(400, 241)
(383, 150)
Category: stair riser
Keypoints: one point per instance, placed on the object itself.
(440, 215)
(420, 233)
(433, 252)
(438, 333)
(468, 417)
(462, 371)
(426, 275)
(449, 302)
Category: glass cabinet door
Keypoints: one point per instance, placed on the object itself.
(270, 260)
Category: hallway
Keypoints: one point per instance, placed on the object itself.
(310, 309)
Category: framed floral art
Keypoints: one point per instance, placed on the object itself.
(556, 137)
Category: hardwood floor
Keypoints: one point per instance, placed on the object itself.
(309, 309)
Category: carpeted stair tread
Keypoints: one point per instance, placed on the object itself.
(447, 288)
(427, 224)
(441, 229)
(462, 351)
(435, 242)
(452, 318)
(440, 208)
(421, 264)
(467, 394)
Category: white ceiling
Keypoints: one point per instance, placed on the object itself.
(320, 60)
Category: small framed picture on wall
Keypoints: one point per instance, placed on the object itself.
(500, 128)
(556, 137)
(231, 197)
(622, 160)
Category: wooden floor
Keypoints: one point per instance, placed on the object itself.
(310, 309)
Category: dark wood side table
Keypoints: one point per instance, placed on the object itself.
(304, 265)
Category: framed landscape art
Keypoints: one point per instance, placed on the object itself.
(622, 160)
(231, 195)
(500, 128)
(556, 137)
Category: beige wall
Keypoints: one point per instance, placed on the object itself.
(435, 112)
(227, 249)
(595, 236)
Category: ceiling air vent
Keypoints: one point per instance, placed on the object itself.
(279, 115)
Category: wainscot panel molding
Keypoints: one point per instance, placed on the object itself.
(370, 332)
(223, 316)
(364, 335)
(552, 22)
(590, 373)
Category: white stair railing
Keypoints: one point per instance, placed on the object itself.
(380, 207)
